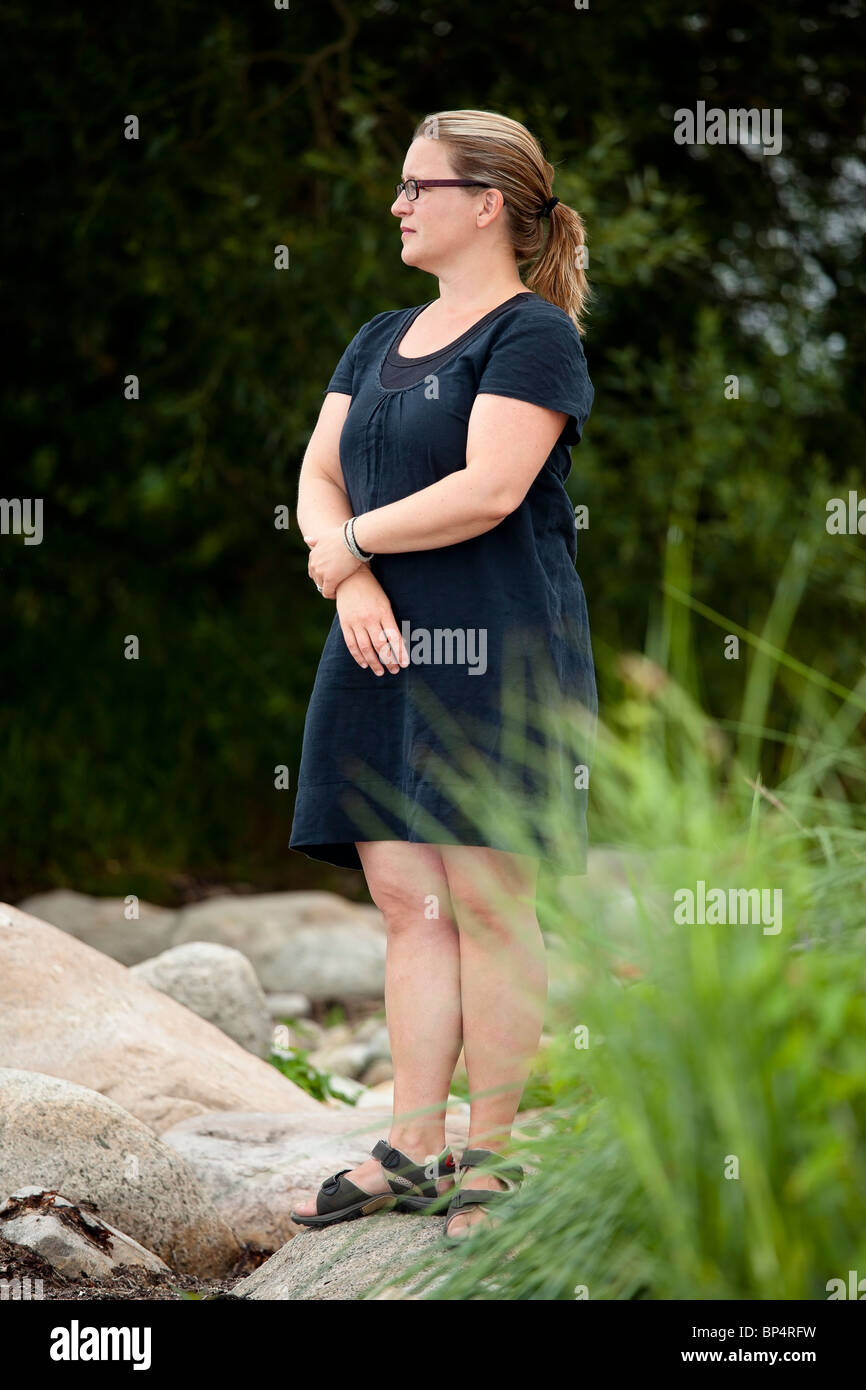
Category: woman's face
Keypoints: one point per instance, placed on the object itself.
(438, 226)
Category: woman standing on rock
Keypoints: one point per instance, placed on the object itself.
(432, 498)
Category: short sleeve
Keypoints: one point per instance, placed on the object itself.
(344, 372)
(539, 357)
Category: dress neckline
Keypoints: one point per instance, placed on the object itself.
(467, 332)
(449, 348)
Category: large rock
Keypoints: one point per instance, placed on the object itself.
(218, 984)
(74, 1013)
(72, 1239)
(103, 924)
(255, 1168)
(354, 1259)
(316, 944)
(65, 1138)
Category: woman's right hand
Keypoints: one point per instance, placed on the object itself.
(365, 612)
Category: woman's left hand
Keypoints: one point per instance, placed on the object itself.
(331, 560)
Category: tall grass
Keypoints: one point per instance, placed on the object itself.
(707, 1137)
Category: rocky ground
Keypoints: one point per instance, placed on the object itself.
(39, 1279)
(175, 1081)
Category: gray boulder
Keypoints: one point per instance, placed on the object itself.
(103, 924)
(64, 1138)
(74, 1013)
(354, 1259)
(316, 944)
(218, 984)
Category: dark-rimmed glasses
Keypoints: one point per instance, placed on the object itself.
(412, 186)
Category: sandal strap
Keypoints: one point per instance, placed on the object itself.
(473, 1196)
(406, 1176)
(496, 1164)
(336, 1192)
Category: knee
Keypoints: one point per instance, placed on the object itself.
(408, 908)
(407, 882)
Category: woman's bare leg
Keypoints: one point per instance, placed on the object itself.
(503, 986)
(422, 998)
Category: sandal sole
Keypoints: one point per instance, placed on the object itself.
(350, 1213)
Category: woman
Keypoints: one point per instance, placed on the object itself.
(443, 443)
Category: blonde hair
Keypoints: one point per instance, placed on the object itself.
(501, 153)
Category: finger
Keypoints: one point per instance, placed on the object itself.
(368, 650)
(353, 647)
(395, 637)
(386, 652)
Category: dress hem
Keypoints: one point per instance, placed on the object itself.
(343, 855)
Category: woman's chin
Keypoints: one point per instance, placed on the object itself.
(409, 256)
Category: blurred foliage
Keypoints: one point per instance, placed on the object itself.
(706, 1131)
(334, 1014)
(294, 1063)
(155, 257)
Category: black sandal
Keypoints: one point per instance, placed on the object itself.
(338, 1199)
(507, 1170)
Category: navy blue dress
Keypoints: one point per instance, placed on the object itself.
(496, 626)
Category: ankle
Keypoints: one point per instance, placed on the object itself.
(417, 1146)
(495, 1143)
